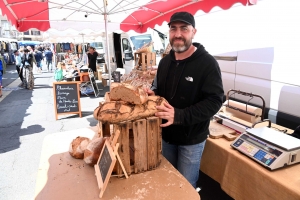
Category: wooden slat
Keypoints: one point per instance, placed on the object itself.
(143, 61)
(140, 145)
(124, 147)
(106, 130)
(100, 129)
(159, 141)
(152, 141)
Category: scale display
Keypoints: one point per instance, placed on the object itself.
(266, 154)
(268, 147)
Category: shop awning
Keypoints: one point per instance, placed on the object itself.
(124, 15)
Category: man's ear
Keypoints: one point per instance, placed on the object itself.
(194, 32)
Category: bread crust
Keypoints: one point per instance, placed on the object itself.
(116, 111)
(128, 93)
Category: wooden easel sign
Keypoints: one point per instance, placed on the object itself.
(106, 162)
(104, 166)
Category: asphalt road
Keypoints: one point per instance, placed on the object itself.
(26, 117)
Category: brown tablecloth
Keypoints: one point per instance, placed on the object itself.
(62, 177)
(242, 178)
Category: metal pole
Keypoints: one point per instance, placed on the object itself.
(107, 43)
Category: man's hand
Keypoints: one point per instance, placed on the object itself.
(149, 92)
(166, 112)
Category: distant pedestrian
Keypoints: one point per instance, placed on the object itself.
(27, 60)
(2, 70)
(49, 55)
(19, 65)
(38, 58)
(1, 80)
(3, 64)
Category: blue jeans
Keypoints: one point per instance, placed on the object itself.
(185, 158)
(38, 64)
(49, 62)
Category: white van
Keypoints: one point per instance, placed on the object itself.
(261, 45)
(122, 47)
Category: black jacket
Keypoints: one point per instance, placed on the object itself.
(29, 59)
(196, 93)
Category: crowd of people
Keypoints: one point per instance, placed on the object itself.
(26, 58)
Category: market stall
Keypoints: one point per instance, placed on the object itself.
(62, 177)
(242, 178)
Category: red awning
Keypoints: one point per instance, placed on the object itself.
(156, 12)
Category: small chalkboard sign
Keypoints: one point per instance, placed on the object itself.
(104, 166)
(93, 83)
(66, 98)
(117, 76)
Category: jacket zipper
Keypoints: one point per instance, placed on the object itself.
(173, 85)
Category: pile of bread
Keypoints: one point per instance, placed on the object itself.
(86, 149)
(124, 102)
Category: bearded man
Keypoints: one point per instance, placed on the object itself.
(189, 78)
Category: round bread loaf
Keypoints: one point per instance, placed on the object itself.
(93, 150)
(77, 147)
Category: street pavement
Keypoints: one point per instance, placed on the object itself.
(26, 117)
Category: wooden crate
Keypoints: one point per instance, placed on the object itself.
(140, 144)
(145, 59)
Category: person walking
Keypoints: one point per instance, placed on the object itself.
(49, 55)
(38, 58)
(92, 56)
(19, 65)
(2, 71)
(1, 74)
(189, 78)
(26, 61)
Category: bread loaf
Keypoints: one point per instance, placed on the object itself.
(78, 146)
(93, 150)
(128, 93)
(116, 111)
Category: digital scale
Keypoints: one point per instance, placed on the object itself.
(270, 148)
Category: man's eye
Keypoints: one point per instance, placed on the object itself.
(183, 28)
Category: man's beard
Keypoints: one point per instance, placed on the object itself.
(181, 48)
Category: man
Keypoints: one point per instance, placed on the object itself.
(31, 52)
(48, 54)
(19, 65)
(190, 80)
(26, 61)
(38, 57)
(92, 56)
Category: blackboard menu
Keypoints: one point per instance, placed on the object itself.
(104, 163)
(66, 98)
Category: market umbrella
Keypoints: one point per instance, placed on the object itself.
(104, 15)
(156, 12)
(68, 14)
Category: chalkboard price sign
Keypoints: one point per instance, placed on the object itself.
(104, 163)
(66, 98)
(104, 166)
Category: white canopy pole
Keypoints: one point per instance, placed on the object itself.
(107, 43)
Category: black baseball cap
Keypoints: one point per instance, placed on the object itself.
(183, 17)
(15, 51)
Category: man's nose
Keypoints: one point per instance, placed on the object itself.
(177, 33)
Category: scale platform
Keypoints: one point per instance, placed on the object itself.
(270, 148)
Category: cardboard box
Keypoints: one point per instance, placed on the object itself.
(99, 72)
(105, 82)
